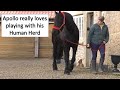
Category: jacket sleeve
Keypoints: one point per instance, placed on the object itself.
(107, 36)
(90, 34)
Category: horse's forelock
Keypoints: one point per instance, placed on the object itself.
(58, 19)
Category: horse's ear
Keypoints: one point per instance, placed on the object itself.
(59, 11)
(56, 12)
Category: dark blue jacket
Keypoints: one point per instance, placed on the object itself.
(97, 36)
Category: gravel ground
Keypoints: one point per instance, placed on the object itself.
(42, 69)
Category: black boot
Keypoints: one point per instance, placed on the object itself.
(101, 67)
(93, 66)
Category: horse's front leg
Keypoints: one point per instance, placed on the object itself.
(66, 51)
(73, 58)
(54, 56)
(59, 53)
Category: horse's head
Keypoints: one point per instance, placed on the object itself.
(59, 20)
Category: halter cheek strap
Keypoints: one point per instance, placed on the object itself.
(58, 28)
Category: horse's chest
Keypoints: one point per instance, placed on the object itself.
(62, 35)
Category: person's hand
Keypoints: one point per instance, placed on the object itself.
(104, 42)
(88, 45)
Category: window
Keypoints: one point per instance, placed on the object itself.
(79, 22)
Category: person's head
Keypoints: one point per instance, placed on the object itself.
(100, 20)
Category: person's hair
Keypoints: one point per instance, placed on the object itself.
(101, 18)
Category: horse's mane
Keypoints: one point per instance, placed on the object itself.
(70, 24)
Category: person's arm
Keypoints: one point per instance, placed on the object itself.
(107, 36)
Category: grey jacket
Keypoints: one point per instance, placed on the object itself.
(97, 36)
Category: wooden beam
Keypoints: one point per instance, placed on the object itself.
(36, 47)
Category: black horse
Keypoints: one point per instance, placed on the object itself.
(64, 34)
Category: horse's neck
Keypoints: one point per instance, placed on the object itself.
(70, 27)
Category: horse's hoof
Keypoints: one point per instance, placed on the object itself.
(71, 68)
(55, 69)
(67, 72)
(58, 61)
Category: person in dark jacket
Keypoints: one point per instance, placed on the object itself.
(97, 38)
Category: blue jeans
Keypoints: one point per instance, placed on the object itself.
(95, 48)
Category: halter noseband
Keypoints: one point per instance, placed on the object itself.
(58, 28)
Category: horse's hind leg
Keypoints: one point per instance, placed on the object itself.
(54, 56)
(73, 58)
(66, 52)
